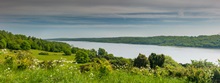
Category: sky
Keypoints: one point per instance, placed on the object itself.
(110, 18)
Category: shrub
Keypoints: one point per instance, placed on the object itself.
(199, 75)
(102, 52)
(3, 44)
(121, 63)
(25, 45)
(85, 68)
(156, 60)
(67, 52)
(43, 53)
(82, 57)
(19, 61)
(141, 61)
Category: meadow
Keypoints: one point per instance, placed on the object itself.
(33, 60)
(64, 72)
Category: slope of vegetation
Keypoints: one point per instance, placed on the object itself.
(55, 62)
(22, 42)
(203, 41)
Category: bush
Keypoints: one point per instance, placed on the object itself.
(3, 44)
(199, 75)
(67, 52)
(121, 63)
(19, 61)
(156, 60)
(43, 53)
(82, 57)
(141, 61)
(25, 45)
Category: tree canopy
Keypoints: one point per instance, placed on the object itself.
(203, 41)
(22, 42)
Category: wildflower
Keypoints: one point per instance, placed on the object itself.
(51, 76)
(91, 75)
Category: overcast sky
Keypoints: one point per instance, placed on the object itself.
(110, 18)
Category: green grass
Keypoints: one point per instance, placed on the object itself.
(70, 74)
(51, 56)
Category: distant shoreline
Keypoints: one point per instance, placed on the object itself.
(203, 41)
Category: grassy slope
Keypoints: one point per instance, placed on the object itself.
(51, 56)
(72, 75)
(69, 73)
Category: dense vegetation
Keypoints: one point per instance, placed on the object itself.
(203, 41)
(24, 64)
(22, 42)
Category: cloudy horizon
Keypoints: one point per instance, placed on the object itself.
(106, 18)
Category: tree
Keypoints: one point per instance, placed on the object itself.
(141, 61)
(74, 50)
(13, 45)
(67, 52)
(156, 60)
(25, 45)
(82, 57)
(92, 53)
(202, 64)
(3, 44)
(102, 52)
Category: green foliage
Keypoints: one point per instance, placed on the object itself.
(100, 70)
(203, 41)
(18, 41)
(25, 45)
(216, 76)
(199, 75)
(74, 50)
(103, 66)
(92, 53)
(121, 63)
(67, 52)
(109, 56)
(13, 45)
(71, 74)
(156, 60)
(102, 52)
(19, 61)
(202, 64)
(3, 44)
(43, 53)
(82, 57)
(170, 62)
(141, 61)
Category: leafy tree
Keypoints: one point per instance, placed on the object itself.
(109, 56)
(120, 62)
(156, 60)
(102, 52)
(141, 61)
(82, 57)
(211, 41)
(67, 52)
(202, 64)
(74, 50)
(13, 45)
(3, 44)
(25, 45)
(92, 53)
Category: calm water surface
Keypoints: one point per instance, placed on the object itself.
(179, 54)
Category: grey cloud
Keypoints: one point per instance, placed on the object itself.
(111, 8)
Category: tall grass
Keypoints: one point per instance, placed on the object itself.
(71, 74)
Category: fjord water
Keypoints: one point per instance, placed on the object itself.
(179, 54)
